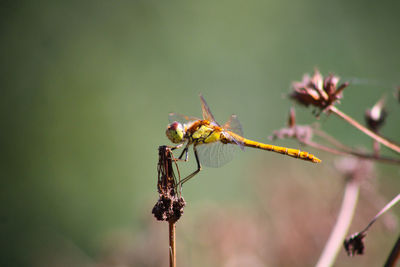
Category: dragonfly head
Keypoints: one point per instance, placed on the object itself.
(175, 132)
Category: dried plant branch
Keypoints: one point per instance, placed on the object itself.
(342, 225)
(330, 139)
(394, 255)
(354, 244)
(365, 130)
(385, 209)
(172, 246)
(382, 211)
(377, 147)
(170, 204)
(375, 157)
(323, 93)
(303, 133)
(345, 150)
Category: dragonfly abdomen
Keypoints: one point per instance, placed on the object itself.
(292, 152)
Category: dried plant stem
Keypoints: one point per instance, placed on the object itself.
(324, 148)
(330, 139)
(349, 152)
(388, 206)
(376, 147)
(368, 132)
(343, 222)
(170, 204)
(172, 247)
(394, 255)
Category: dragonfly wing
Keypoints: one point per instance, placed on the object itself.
(235, 140)
(215, 154)
(207, 115)
(180, 118)
(233, 125)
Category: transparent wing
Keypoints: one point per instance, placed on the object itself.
(216, 154)
(233, 125)
(207, 115)
(180, 118)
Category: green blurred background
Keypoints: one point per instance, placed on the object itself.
(87, 87)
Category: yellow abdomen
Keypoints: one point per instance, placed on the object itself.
(295, 153)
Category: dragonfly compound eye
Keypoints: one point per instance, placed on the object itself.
(175, 132)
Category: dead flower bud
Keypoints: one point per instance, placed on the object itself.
(354, 244)
(375, 117)
(318, 91)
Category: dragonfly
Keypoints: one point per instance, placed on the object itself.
(213, 144)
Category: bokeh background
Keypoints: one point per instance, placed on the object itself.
(86, 90)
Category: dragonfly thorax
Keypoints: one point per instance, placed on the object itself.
(175, 132)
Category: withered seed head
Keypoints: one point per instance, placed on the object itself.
(354, 244)
(375, 117)
(317, 91)
(169, 208)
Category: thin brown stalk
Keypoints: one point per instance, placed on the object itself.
(348, 151)
(324, 148)
(376, 147)
(170, 204)
(331, 139)
(342, 225)
(172, 248)
(365, 130)
(388, 206)
(355, 245)
(394, 255)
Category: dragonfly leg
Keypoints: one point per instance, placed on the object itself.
(176, 147)
(195, 172)
(185, 151)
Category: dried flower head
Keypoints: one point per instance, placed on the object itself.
(354, 244)
(375, 117)
(168, 208)
(318, 91)
(170, 204)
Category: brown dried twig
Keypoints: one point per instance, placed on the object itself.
(170, 204)
(365, 130)
(354, 244)
(304, 134)
(323, 94)
(394, 255)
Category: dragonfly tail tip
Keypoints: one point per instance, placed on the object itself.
(316, 160)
